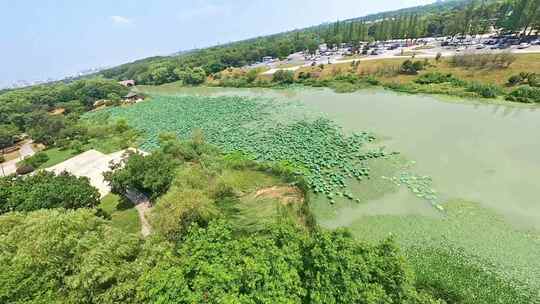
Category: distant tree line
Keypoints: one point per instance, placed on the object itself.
(449, 19)
(27, 110)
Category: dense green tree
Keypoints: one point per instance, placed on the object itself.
(45, 190)
(150, 174)
(8, 134)
(283, 77)
(282, 265)
(27, 108)
(191, 76)
(59, 256)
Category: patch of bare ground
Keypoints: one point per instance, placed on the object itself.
(284, 194)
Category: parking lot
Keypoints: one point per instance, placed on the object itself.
(421, 48)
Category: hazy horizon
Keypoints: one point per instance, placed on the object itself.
(56, 38)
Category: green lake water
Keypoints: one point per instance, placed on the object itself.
(483, 159)
(484, 153)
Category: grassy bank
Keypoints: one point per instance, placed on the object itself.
(486, 76)
(122, 213)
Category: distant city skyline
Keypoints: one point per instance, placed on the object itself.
(52, 39)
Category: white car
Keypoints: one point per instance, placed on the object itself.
(480, 46)
(523, 45)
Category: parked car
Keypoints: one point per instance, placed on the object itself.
(500, 46)
(480, 46)
(524, 45)
(535, 42)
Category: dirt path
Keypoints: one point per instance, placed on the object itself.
(142, 204)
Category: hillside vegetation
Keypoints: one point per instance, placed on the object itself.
(442, 19)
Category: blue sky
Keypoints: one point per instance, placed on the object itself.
(52, 38)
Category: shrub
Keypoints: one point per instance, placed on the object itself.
(234, 82)
(344, 87)
(57, 256)
(350, 78)
(150, 174)
(434, 77)
(533, 80)
(251, 75)
(24, 169)
(515, 80)
(371, 80)
(472, 60)
(36, 160)
(525, 94)
(283, 77)
(411, 68)
(2, 159)
(484, 90)
(303, 76)
(177, 210)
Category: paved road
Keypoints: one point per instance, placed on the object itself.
(9, 167)
(423, 53)
(26, 150)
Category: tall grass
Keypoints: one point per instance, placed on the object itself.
(481, 61)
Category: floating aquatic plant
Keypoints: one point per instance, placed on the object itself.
(330, 158)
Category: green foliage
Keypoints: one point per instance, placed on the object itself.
(121, 213)
(242, 124)
(532, 79)
(186, 150)
(224, 186)
(410, 67)
(8, 134)
(284, 265)
(59, 256)
(484, 90)
(27, 108)
(445, 18)
(190, 76)
(35, 160)
(283, 77)
(515, 80)
(177, 210)
(150, 174)
(436, 77)
(525, 94)
(45, 190)
(344, 87)
(251, 75)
